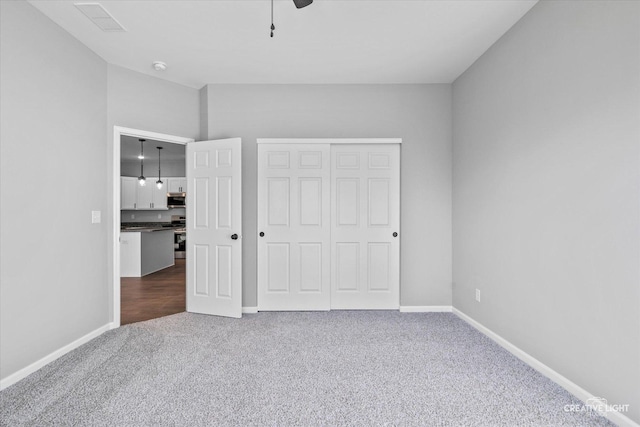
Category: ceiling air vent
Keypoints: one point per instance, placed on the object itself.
(100, 16)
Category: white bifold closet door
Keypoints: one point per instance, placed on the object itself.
(365, 221)
(293, 225)
(328, 223)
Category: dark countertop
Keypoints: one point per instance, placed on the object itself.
(147, 227)
(144, 229)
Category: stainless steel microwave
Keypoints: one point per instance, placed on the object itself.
(176, 200)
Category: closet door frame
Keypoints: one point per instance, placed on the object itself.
(329, 142)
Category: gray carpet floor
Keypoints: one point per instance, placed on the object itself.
(366, 368)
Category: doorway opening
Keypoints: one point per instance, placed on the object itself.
(148, 270)
(155, 295)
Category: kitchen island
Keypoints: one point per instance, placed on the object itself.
(145, 250)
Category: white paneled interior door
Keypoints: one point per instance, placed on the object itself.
(293, 226)
(214, 228)
(365, 221)
(328, 223)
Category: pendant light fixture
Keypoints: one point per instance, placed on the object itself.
(141, 179)
(159, 181)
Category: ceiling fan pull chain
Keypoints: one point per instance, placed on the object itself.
(299, 4)
(273, 27)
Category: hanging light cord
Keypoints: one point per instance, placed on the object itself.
(141, 178)
(273, 27)
(159, 181)
(141, 158)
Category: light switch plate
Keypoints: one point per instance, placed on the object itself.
(95, 217)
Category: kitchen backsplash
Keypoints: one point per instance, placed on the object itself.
(150, 216)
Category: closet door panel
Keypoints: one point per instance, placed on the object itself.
(278, 201)
(293, 213)
(310, 201)
(365, 214)
(278, 268)
(378, 202)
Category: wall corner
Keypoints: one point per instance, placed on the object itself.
(204, 113)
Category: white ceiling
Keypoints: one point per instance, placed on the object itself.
(130, 149)
(330, 41)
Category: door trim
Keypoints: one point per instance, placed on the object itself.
(119, 131)
(329, 140)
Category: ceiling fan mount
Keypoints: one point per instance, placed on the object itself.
(299, 4)
(302, 3)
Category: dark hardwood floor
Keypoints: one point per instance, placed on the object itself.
(159, 294)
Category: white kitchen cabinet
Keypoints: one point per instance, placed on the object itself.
(150, 197)
(137, 197)
(177, 185)
(145, 195)
(159, 200)
(128, 192)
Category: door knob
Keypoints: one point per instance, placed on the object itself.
(234, 237)
(395, 234)
(262, 234)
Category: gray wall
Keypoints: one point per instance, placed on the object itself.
(147, 103)
(53, 109)
(420, 114)
(169, 168)
(142, 102)
(546, 195)
(204, 112)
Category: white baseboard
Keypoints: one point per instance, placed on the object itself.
(582, 394)
(425, 309)
(249, 310)
(24, 372)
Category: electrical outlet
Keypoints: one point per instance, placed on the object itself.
(95, 217)
(159, 216)
(478, 295)
(133, 216)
